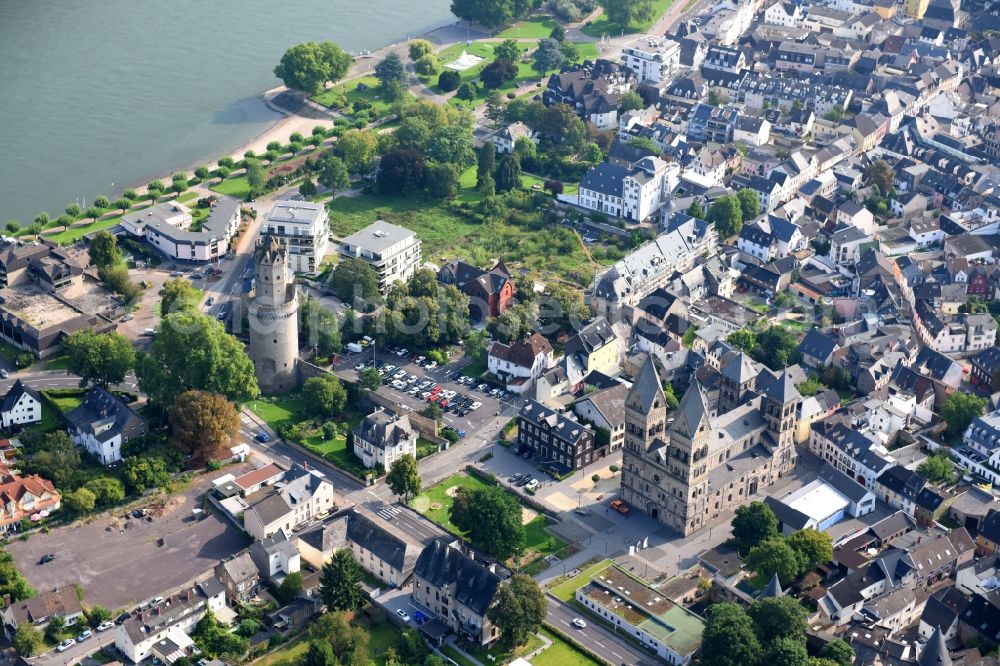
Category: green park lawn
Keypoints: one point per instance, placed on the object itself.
(601, 26)
(562, 653)
(343, 95)
(238, 187)
(538, 27)
(278, 410)
(435, 502)
(74, 234)
(447, 234)
(566, 590)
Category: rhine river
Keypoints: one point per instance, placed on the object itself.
(100, 95)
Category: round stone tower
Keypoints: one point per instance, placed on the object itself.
(273, 319)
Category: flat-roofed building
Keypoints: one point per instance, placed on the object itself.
(169, 228)
(304, 229)
(393, 251)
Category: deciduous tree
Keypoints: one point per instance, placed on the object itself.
(749, 203)
(729, 637)
(352, 279)
(324, 395)
(178, 294)
(80, 501)
(548, 56)
(508, 175)
(838, 651)
(27, 639)
(960, 409)
(418, 48)
(727, 214)
(508, 50)
(753, 523)
(358, 149)
(490, 13)
(102, 358)
(781, 617)
(491, 519)
(202, 424)
(773, 556)
(309, 66)
(626, 13)
(142, 473)
(880, 174)
(518, 611)
(938, 467)
(104, 250)
(497, 73)
(404, 477)
(107, 489)
(401, 171)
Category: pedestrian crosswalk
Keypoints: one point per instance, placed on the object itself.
(389, 512)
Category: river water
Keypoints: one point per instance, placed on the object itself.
(100, 95)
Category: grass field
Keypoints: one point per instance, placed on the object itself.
(539, 27)
(566, 590)
(447, 235)
(335, 450)
(343, 96)
(278, 410)
(238, 187)
(67, 402)
(73, 234)
(562, 653)
(435, 501)
(602, 26)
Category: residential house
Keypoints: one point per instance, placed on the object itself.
(898, 487)
(505, 139)
(103, 423)
(383, 437)
(591, 89)
(558, 441)
(851, 213)
(240, 576)
(985, 372)
(459, 590)
(980, 449)
(633, 193)
(605, 409)
(303, 495)
(849, 451)
(39, 610)
(785, 14)
(490, 292)
(988, 539)
(816, 349)
(594, 348)
(22, 405)
(276, 556)
(392, 251)
(24, 497)
(520, 363)
(653, 60)
(752, 131)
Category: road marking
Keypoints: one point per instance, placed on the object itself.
(599, 643)
(617, 655)
(564, 622)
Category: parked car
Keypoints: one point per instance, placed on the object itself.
(474, 406)
(122, 619)
(84, 635)
(514, 478)
(128, 317)
(524, 480)
(46, 558)
(263, 437)
(532, 485)
(402, 615)
(65, 645)
(620, 506)
(104, 626)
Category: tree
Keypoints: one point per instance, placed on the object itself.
(318, 654)
(497, 73)
(403, 477)
(179, 183)
(104, 250)
(561, 309)
(839, 652)
(670, 397)
(449, 80)
(318, 327)
(508, 50)
(485, 161)
(202, 424)
(744, 339)
(324, 395)
(155, 188)
(12, 226)
(27, 639)
(55, 458)
(101, 358)
(467, 91)
(418, 48)
(773, 556)
(630, 101)
(695, 210)
(490, 13)
(369, 380)
(443, 180)
(508, 176)
(812, 548)
(777, 348)
(938, 467)
(390, 70)
(354, 279)
(42, 219)
(518, 611)
(358, 149)
(548, 56)
(625, 13)
(729, 638)
(960, 409)
(334, 174)
(107, 490)
(290, 588)
(786, 652)
(753, 523)
(452, 144)
(80, 501)
(142, 473)
(727, 215)
(97, 614)
(202, 172)
(178, 294)
(309, 66)
(255, 177)
(340, 582)
(74, 210)
(216, 639)
(780, 617)
(491, 520)
(558, 33)
(122, 204)
(811, 386)
(566, 133)
(401, 171)
(749, 203)
(193, 351)
(881, 174)
(427, 65)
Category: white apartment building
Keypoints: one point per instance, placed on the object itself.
(635, 193)
(653, 59)
(21, 405)
(167, 227)
(383, 437)
(393, 251)
(304, 228)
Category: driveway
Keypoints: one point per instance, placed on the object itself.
(122, 562)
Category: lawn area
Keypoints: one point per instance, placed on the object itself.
(447, 235)
(435, 501)
(425, 448)
(65, 400)
(539, 541)
(238, 187)
(457, 656)
(539, 27)
(278, 410)
(562, 653)
(602, 26)
(566, 590)
(335, 450)
(73, 234)
(290, 653)
(505, 656)
(344, 95)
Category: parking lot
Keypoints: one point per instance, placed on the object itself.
(120, 562)
(468, 404)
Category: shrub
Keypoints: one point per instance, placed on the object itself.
(449, 80)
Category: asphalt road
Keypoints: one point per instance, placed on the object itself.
(596, 638)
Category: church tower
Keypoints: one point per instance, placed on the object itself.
(645, 410)
(273, 319)
(738, 376)
(781, 412)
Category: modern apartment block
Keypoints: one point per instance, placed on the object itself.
(304, 228)
(394, 252)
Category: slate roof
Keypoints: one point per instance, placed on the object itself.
(385, 429)
(605, 178)
(14, 394)
(818, 344)
(935, 653)
(100, 408)
(692, 413)
(522, 353)
(389, 548)
(474, 585)
(646, 388)
(783, 390)
(773, 588)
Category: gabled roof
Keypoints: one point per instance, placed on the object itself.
(783, 390)
(818, 344)
(739, 368)
(646, 391)
(474, 585)
(935, 653)
(693, 413)
(14, 394)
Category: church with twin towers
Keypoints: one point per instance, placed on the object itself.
(725, 445)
